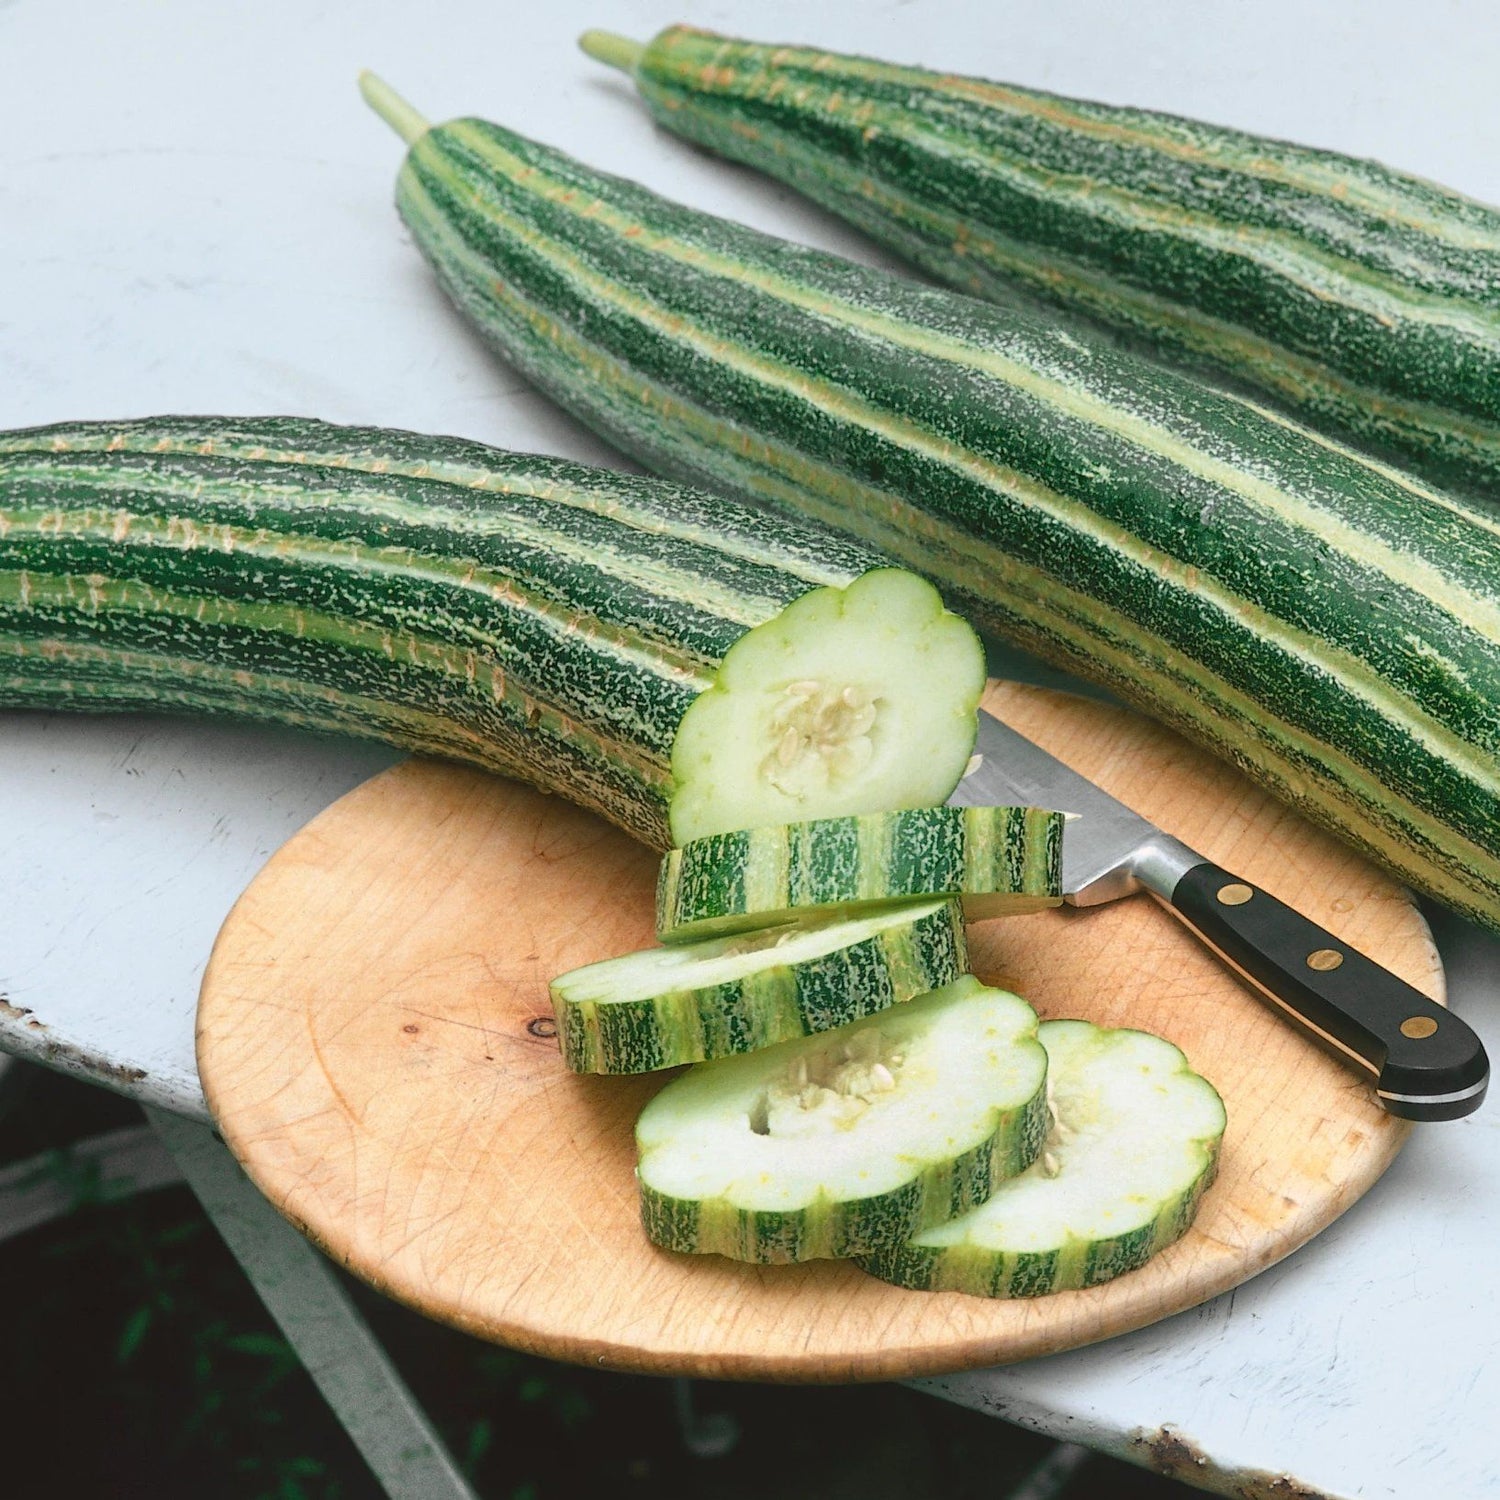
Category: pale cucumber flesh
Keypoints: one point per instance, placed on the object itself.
(1132, 1147)
(654, 972)
(840, 1143)
(853, 700)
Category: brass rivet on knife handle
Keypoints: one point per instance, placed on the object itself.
(1417, 1027)
(1235, 894)
(1324, 959)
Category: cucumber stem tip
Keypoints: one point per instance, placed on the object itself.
(391, 107)
(617, 51)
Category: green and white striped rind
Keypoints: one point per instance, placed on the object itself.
(710, 1185)
(1002, 861)
(1364, 299)
(1325, 622)
(665, 1006)
(1125, 1181)
(535, 617)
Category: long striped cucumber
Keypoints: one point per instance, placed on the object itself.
(1365, 300)
(1002, 861)
(664, 1006)
(844, 1143)
(594, 633)
(1132, 1146)
(1327, 623)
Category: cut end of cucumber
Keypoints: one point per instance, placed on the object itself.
(652, 972)
(1132, 1147)
(855, 700)
(832, 1145)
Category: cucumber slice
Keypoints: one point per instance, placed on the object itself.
(852, 700)
(837, 1144)
(1133, 1145)
(1001, 860)
(665, 1006)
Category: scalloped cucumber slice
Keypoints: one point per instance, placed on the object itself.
(1001, 860)
(853, 700)
(664, 1006)
(1133, 1145)
(838, 1144)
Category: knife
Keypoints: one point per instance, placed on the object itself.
(1426, 1063)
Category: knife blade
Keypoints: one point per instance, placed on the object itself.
(1425, 1062)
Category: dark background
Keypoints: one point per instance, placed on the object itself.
(139, 1362)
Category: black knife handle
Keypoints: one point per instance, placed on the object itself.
(1427, 1064)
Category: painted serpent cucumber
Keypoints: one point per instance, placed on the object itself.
(588, 631)
(1002, 861)
(839, 1144)
(1328, 624)
(1365, 300)
(664, 1006)
(1133, 1146)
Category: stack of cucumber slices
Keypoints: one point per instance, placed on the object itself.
(854, 1092)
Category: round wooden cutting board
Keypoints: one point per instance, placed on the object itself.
(376, 1044)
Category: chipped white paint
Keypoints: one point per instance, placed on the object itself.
(124, 842)
(1368, 1365)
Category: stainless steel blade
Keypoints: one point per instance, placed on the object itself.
(1108, 851)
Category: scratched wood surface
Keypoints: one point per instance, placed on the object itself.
(374, 1039)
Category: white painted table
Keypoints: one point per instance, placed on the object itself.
(195, 216)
